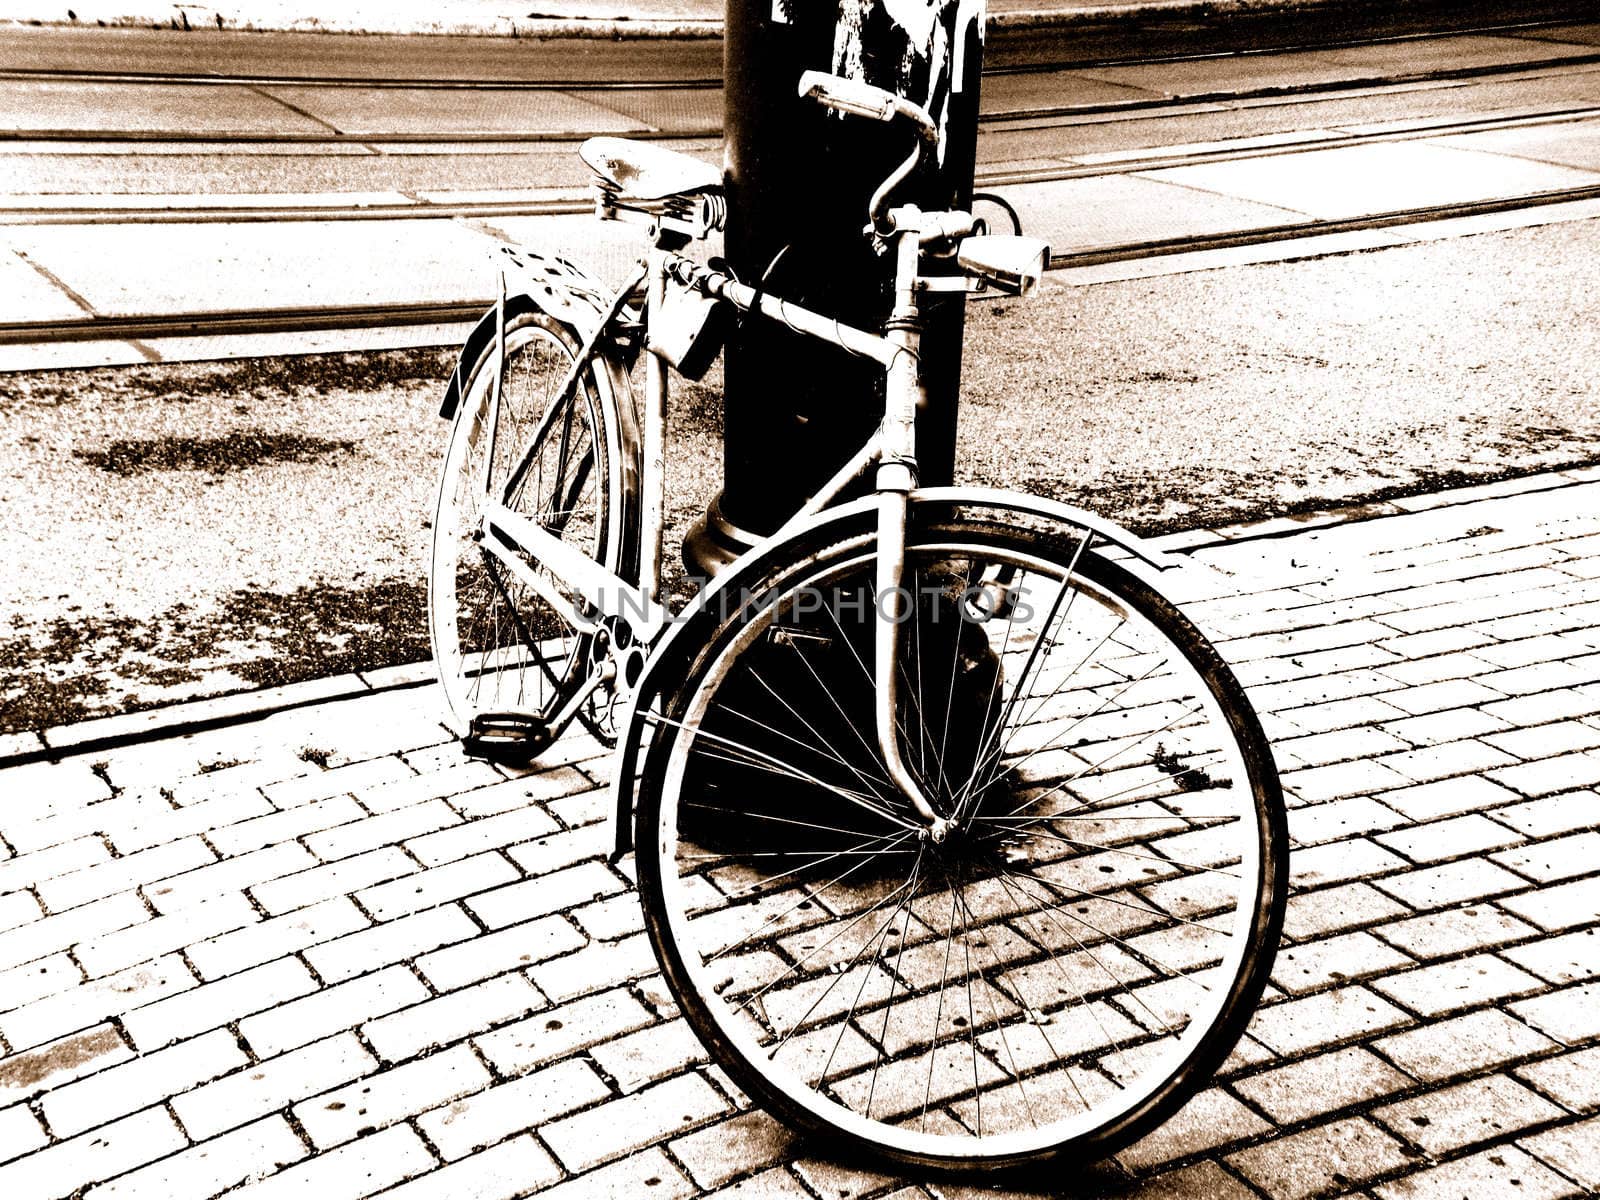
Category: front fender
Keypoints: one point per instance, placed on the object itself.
(673, 656)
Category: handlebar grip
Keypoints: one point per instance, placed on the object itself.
(849, 95)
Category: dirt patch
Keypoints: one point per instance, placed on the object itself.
(218, 455)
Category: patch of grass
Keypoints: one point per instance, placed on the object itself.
(218, 455)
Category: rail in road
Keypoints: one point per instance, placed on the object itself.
(1030, 142)
(689, 106)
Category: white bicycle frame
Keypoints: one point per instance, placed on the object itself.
(595, 600)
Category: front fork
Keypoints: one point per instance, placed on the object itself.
(897, 476)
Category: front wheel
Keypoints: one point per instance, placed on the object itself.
(1064, 970)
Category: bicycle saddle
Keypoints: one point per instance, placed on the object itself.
(647, 172)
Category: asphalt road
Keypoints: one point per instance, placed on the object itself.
(174, 531)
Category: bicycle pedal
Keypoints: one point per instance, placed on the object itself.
(509, 738)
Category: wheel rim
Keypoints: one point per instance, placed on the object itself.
(497, 645)
(1023, 989)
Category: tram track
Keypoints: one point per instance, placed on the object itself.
(397, 315)
(437, 204)
(574, 203)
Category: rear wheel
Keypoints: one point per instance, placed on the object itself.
(1073, 961)
(500, 647)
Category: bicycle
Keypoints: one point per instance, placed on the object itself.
(955, 839)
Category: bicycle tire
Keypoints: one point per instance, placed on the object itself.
(736, 879)
(497, 645)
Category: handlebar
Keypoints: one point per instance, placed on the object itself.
(859, 99)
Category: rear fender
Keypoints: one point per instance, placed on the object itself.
(675, 659)
(539, 282)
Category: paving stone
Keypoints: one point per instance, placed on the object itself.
(1448, 798)
(1545, 707)
(649, 1176)
(1542, 741)
(272, 1084)
(778, 1184)
(649, 1055)
(1572, 1014)
(1341, 959)
(1565, 959)
(1481, 1110)
(87, 1003)
(484, 833)
(436, 885)
(19, 908)
(1455, 931)
(1461, 983)
(28, 869)
(20, 1132)
(1342, 745)
(61, 1169)
(451, 1017)
(61, 1061)
(1562, 858)
(159, 935)
(1321, 1085)
(275, 937)
(501, 1173)
(122, 874)
(561, 1031)
(1446, 760)
(263, 831)
(1318, 784)
(521, 792)
(1340, 862)
(1503, 1171)
(1547, 776)
(47, 976)
(1556, 908)
(1316, 914)
(546, 894)
(1345, 714)
(1553, 814)
(1572, 1079)
(209, 1168)
(1451, 883)
(386, 829)
(598, 965)
(1210, 1119)
(89, 921)
(344, 780)
(1321, 1161)
(631, 1123)
(389, 1096)
(492, 954)
(485, 1117)
(231, 874)
(431, 785)
(213, 1005)
(1324, 1019)
(122, 1090)
(168, 824)
(1435, 697)
(1571, 1149)
(1462, 1044)
(1450, 838)
(547, 854)
(740, 1145)
(305, 888)
(390, 942)
(343, 1006)
(354, 1170)
(1336, 819)
(1448, 725)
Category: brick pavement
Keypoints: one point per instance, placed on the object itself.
(320, 953)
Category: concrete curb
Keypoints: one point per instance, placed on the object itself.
(237, 708)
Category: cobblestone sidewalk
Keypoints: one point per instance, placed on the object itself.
(322, 955)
